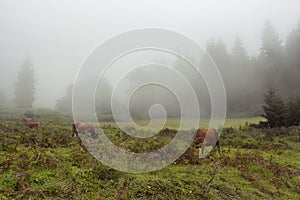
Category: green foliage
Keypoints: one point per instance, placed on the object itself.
(24, 87)
(278, 113)
(274, 109)
(293, 112)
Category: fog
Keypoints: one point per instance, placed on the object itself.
(59, 35)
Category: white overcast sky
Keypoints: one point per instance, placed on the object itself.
(59, 34)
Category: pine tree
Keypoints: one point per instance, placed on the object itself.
(293, 47)
(103, 97)
(293, 112)
(271, 44)
(273, 69)
(24, 87)
(274, 109)
(293, 60)
(64, 104)
(242, 91)
(221, 55)
(239, 54)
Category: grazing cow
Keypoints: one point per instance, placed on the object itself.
(26, 119)
(31, 124)
(83, 128)
(207, 137)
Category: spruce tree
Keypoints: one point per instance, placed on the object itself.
(274, 109)
(64, 104)
(272, 47)
(24, 87)
(293, 59)
(293, 112)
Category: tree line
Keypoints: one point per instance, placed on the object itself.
(277, 66)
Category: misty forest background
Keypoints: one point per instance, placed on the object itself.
(246, 78)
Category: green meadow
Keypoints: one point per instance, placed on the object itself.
(47, 163)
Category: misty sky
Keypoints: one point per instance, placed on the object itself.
(59, 35)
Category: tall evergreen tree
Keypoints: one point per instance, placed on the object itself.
(103, 97)
(239, 53)
(24, 87)
(293, 58)
(242, 94)
(64, 104)
(218, 52)
(273, 69)
(274, 109)
(272, 47)
(293, 112)
(220, 56)
(292, 47)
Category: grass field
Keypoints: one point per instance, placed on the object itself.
(47, 163)
(174, 123)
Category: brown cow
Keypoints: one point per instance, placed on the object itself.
(26, 119)
(84, 129)
(31, 124)
(207, 137)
